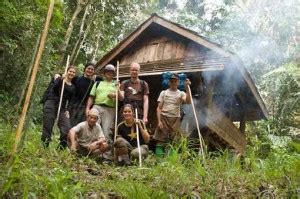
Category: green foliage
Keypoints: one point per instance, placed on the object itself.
(281, 92)
(36, 172)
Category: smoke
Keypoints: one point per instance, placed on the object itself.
(264, 34)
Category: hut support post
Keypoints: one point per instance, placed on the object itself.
(242, 124)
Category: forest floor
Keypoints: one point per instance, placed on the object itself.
(36, 172)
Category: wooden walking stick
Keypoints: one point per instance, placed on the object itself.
(197, 123)
(62, 88)
(117, 102)
(116, 113)
(32, 80)
(138, 138)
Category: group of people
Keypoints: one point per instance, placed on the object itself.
(87, 113)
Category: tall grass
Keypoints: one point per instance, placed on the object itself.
(47, 173)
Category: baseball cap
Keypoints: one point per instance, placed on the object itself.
(174, 76)
(109, 67)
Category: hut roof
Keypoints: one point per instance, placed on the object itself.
(153, 24)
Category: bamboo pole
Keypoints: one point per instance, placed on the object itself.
(197, 123)
(32, 80)
(138, 137)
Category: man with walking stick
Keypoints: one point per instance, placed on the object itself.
(168, 111)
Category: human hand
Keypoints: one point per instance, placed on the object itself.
(67, 114)
(117, 83)
(101, 140)
(187, 82)
(93, 146)
(138, 122)
(56, 76)
(111, 95)
(145, 120)
(160, 125)
(73, 148)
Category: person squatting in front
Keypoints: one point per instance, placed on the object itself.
(87, 138)
(168, 111)
(51, 106)
(126, 147)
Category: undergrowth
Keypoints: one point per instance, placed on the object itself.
(36, 172)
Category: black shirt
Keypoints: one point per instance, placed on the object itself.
(129, 133)
(55, 92)
(83, 87)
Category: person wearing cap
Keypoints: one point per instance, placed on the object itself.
(103, 99)
(168, 111)
(87, 137)
(135, 91)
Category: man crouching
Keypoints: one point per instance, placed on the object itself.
(87, 138)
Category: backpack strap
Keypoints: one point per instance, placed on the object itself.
(97, 84)
(143, 86)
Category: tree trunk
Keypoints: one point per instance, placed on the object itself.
(96, 47)
(80, 5)
(81, 32)
(87, 30)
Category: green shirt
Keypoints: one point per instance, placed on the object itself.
(100, 93)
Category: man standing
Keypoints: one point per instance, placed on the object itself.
(135, 92)
(102, 97)
(168, 110)
(87, 138)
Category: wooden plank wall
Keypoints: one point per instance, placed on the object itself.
(224, 128)
(162, 49)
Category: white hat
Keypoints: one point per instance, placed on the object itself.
(109, 67)
(93, 112)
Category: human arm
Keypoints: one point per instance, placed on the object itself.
(145, 108)
(159, 109)
(158, 115)
(89, 104)
(187, 98)
(143, 131)
(121, 92)
(91, 99)
(72, 137)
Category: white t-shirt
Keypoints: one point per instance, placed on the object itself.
(171, 100)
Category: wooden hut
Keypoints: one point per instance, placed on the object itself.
(221, 86)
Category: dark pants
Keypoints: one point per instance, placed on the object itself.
(123, 147)
(77, 114)
(50, 111)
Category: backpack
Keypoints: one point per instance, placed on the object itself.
(47, 91)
